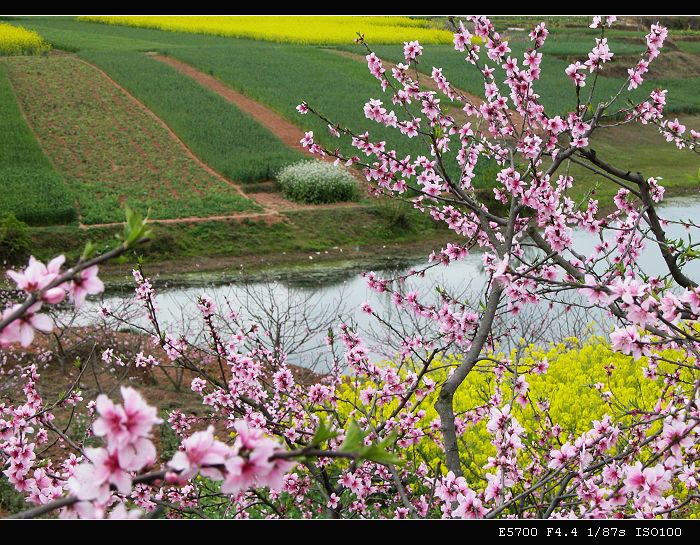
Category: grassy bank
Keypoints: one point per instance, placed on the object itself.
(309, 235)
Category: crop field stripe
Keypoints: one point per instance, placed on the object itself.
(91, 122)
(288, 133)
(167, 127)
(32, 189)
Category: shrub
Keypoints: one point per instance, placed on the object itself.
(15, 242)
(314, 182)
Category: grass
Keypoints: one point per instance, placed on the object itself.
(291, 29)
(110, 150)
(29, 185)
(220, 134)
(306, 231)
(645, 151)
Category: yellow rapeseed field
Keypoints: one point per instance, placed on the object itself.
(15, 40)
(293, 29)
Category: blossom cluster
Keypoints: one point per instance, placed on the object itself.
(40, 280)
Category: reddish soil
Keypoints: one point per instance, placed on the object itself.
(287, 132)
(275, 201)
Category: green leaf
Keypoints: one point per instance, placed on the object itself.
(135, 228)
(354, 437)
(323, 434)
(380, 455)
(89, 251)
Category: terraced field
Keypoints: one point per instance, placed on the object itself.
(110, 149)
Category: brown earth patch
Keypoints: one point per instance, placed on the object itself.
(275, 201)
(287, 132)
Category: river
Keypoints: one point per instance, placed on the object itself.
(306, 300)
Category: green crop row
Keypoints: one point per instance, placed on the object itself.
(220, 134)
(29, 186)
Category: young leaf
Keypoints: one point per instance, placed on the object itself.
(380, 455)
(323, 434)
(353, 438)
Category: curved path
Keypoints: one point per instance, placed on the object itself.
(286, 131)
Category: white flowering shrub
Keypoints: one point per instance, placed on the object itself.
(315, 182)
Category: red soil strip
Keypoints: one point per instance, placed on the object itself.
(287, 132)
(275, 201)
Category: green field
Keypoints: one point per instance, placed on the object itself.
(555, 88)
(30, 187)
(281, 75)
(111, 150)
(277, 75)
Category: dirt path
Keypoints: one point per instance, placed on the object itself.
(172, 134)
(287, 132)
(275, 201)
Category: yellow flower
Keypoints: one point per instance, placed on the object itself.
(16, 40)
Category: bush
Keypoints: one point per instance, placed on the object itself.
(314, 182)
(15, 242)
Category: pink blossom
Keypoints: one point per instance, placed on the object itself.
(86, 283)
(201, 453)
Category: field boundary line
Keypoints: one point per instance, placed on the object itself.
(273, 215)
(189, 152)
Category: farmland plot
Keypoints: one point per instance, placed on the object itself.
(30, 188)
(110, 149)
